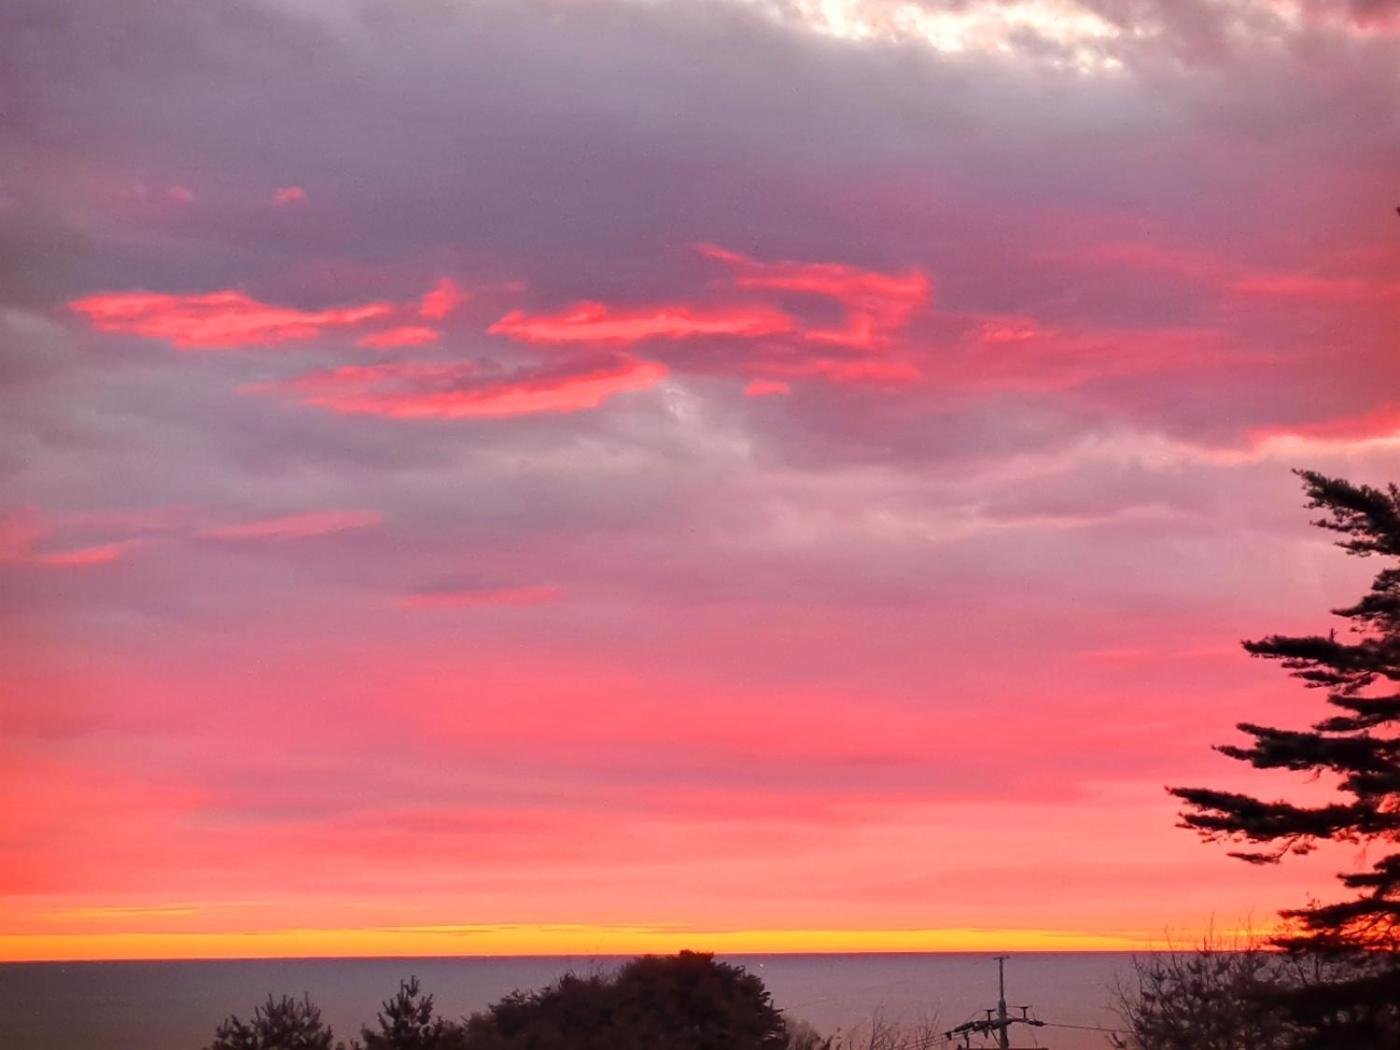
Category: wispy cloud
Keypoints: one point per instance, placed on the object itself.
(442, 300)
(218, 320)
(285, 195)
(877, 305)
(411, 390)
(398, 338)
(296, 526)
(592, 322)
(81, 557)
(471, 597)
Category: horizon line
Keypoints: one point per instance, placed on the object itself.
(514, 941)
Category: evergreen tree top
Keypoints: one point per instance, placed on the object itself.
(1356, 746)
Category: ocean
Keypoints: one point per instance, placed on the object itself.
(176, 1005)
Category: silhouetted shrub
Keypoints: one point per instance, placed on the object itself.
(279, 1024)
(879, 1034)
(682, 1002)
(1210, 999)
(1246, 998)
(407, 1022)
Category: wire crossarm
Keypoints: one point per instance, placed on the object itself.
(998, 1022)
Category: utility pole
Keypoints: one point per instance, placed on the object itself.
(998, 1022)
(1003, 1024)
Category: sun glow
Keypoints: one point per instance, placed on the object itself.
(542, 939)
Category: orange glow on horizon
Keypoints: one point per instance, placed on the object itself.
(541, 939)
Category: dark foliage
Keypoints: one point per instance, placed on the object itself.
(1357, 748)
(279, 1024)
(682, 1002)
(879, 1034)
(407, 1022)
(1210, 999)
(1247, 998)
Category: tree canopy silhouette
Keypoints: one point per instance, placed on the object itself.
(675, 1002)
(279, 1024)
(1214, 998)
(681, 1002)
(407, 1022)
(1357, 747)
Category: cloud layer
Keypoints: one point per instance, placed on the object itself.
(706, 466)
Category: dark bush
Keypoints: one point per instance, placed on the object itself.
(682, 1002)
(279, 1024)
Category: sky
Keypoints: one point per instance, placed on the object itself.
(614, 475)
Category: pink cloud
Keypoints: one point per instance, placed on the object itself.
(215, 320)
(1376, 16)
(881, 371)
(182, 194)
(1217, 270)
(442, 300)
(462, 390)
(285, 195)
(395, 338)
(1007, 330)
(1015, 352)
(81, 557)
(469, 597)
(22, 531)
(766, 388)
(1312, 288)
(1380, 422)
(592, 322)
(296, 526)
(877, 304)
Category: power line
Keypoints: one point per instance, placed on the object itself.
(998, 1022)
(998, 1025)
(1087, 1028)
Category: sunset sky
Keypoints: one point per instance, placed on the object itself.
(604, 475)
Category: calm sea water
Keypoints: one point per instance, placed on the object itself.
(175, 1005)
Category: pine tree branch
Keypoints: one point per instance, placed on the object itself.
(1369, 516)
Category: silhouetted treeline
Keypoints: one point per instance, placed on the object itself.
(678, 1002)
(683, 1002)
(1244, 997)
(1213, 998)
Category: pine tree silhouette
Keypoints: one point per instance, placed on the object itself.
(1358, 746)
